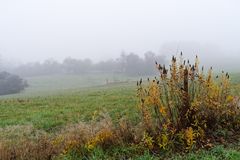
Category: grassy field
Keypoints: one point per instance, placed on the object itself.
(51, 112)
(54, 101)
(51, 103)
(61, 84)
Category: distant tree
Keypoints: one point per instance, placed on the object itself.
(76, 66)
(109, 66)
(149, 60)
(51, 66)
(133, 64)
(10, 83)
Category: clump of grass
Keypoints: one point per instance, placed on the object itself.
(28, 149)
(185, 105)
(81, 138)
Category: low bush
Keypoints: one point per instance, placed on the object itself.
(10, 83)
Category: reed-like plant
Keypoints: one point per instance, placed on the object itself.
(185, 103)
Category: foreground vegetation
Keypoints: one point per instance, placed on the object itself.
(186, 106)
(105, 123)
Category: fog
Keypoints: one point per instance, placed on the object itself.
(36, 30)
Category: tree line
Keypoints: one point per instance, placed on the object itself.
(129, 64)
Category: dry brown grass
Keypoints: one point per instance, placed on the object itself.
(82, 137)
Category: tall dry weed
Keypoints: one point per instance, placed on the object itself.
(185, 104)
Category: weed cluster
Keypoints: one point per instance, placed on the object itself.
(184, 106)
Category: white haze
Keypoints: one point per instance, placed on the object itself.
(35, 30)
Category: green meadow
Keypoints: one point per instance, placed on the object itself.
(54, 102)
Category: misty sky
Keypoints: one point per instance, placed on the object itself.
(32, 30)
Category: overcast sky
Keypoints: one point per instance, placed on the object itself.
(32, 30)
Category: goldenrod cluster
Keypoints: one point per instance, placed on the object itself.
(98, 139)
(186, 101)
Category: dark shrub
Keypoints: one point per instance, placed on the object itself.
(10, 83)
